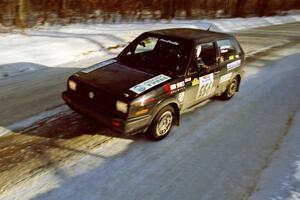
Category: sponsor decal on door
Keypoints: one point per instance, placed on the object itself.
(225, 77)
(233, 65)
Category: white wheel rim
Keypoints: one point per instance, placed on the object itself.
(164, 123)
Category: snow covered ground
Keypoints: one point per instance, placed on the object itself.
(281, 180)
(54, 46)
(30, 50)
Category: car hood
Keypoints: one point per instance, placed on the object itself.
(114, 78)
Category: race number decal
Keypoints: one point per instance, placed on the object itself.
(205, 85)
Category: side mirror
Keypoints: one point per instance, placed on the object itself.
(200, 62)
(201, 65)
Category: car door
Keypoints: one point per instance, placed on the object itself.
(202, 73)
(229, 59)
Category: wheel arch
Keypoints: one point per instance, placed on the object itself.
(238, 76)
(173, 103)
(177, 113)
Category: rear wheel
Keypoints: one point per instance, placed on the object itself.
(231, 89)
(162, 123)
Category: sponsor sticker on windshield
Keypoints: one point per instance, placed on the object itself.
(146, 85)
(169, 41)
(98, 65)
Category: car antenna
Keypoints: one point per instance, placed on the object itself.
(209, 27)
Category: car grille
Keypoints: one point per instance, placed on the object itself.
(100, 100)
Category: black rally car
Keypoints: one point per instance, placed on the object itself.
(155, 78)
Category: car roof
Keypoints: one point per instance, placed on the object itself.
(191, 34)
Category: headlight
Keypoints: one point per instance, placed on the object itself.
(121, 106)
(72, 85)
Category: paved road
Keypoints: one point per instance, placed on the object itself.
(218, 152)
(281, 180)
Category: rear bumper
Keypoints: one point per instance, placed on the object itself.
(124, 126)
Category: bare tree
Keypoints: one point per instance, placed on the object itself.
(239, 8)
(188, 8)
(21, 13)
(165, 9)
(261, 7)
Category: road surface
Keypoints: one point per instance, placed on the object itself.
(218, 152)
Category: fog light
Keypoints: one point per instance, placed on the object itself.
(121, 106)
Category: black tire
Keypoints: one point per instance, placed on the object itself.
(162, 124)
(231, 89)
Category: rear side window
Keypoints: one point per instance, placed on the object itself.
(229, 49)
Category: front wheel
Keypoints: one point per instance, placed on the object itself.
(231, 89)
(162, 123)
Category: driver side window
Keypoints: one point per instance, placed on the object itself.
(204, 57)
(207, 53)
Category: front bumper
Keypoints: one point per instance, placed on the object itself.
(124, 126)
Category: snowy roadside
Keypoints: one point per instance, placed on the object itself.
(132, 30)
(31, 50)
(281, 180)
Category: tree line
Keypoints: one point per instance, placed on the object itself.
(24, 13)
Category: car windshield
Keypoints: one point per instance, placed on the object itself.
(152, 53)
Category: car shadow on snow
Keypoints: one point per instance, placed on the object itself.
(70, 125)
